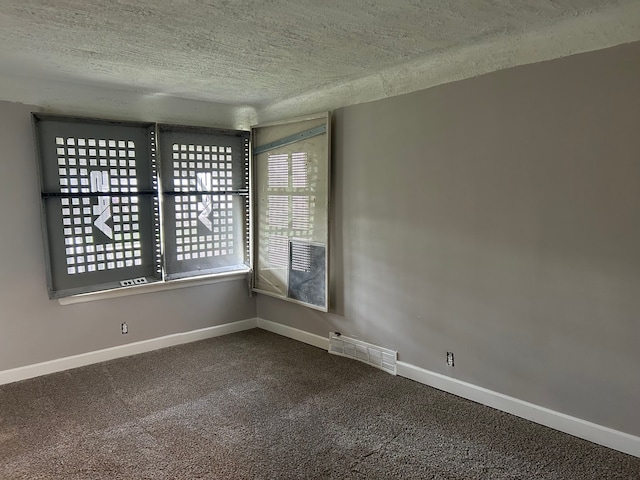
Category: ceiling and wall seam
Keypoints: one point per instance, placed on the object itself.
(281, 58)
(579, 34)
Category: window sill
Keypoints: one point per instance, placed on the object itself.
(154, 287)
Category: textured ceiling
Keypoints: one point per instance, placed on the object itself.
(273, 52)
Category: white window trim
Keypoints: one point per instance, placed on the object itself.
(154, 287)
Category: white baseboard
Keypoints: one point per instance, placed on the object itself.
(577, 427)
(66, 363)
(294, 333)
(592, 432)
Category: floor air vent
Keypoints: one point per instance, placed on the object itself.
(382, 358)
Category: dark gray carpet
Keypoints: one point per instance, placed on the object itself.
(255, 405)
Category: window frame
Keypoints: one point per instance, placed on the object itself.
(300, 134)
(99, 290)
(238, 188)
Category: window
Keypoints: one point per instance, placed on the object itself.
(291, 164)
(127, 203)
(205, 180)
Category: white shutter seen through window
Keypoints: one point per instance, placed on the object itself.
(291, 177)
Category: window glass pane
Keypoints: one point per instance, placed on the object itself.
(205, 200)
(100, 205)
(194, 247)
(90, 251)
(291, 162)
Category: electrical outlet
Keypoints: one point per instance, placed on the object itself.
(124, 328)
(450, 359)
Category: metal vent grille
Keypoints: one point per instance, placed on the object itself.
(379, 357)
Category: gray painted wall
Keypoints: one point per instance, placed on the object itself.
(498, 218)
(35, 329)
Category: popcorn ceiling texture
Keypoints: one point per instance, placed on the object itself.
(284, 56)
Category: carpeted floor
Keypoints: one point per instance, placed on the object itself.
(255, 405)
